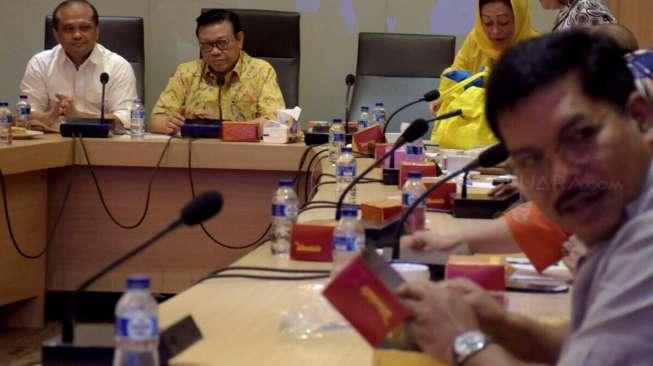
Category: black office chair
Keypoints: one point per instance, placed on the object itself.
(399, 68)
(122, 35)
(274, 37)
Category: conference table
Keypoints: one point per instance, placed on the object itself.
(245, 321)
(39, 171)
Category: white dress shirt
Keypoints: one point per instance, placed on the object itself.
(51, 72)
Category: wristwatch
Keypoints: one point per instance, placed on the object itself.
(468, 344)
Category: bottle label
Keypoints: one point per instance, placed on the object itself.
(345, 171)
(338, 137)
(407, 199)
(345, 243)
(414, 150)
(137, 326)
(279, 210)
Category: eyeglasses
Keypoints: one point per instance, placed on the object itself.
(576, 145)
(221, 44)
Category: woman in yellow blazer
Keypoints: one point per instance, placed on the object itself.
(499, 25)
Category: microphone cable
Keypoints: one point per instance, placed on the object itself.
(50, 237)
(290, 274)
(260, 240)
(149, 186)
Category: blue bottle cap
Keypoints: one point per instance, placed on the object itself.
(285, 183)
(138, 282)
(415, 175)
(349, 211)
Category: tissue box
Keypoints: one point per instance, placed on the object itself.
(441, 198)
(380, 211)
(240, 131)
(362, 138)
(488, 271)
(312, 241)
(381, 149)
(427, 170)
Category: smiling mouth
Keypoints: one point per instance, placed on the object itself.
(576, 201)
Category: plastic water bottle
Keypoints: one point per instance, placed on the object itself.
(137, 121)
(285, 206)
(137, 325)
(6, 120)
(364, 119)
(23, 112)
(415, 152)
(348, 238)
(345, 174)
(378, 114)
(412, 190)
(336, 140)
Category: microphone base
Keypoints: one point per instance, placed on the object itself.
(319, 138)
(482, 206)
(209, 131)
(390, 177)
(97, 130)
(94, 345)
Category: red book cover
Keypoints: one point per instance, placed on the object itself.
(364, 294)
(362, 138)
(240, 131)
(312, 241)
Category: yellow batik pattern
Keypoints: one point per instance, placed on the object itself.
(250, 91)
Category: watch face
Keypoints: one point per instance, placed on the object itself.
(468, 343)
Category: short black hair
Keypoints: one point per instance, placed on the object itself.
(214, 16)
(66, 3)
(537, 63)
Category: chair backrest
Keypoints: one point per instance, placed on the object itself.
(122, 35)
(274, 37)
(398, 68)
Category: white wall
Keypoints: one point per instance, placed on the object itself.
(329, 31)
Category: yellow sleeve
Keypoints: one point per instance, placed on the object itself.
(173, 97)
(270, 97)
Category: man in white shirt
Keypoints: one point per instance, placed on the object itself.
(64, 82)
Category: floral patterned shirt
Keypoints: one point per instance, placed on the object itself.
(250, 91)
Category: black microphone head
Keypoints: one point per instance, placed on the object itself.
(104, 78)
(202, 208)
(493, 155)
(350, 79)
(431, 96)
(414, 131)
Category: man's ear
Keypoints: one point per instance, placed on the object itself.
(641, 111)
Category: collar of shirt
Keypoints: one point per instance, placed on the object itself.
(236, 72)
(95, 57)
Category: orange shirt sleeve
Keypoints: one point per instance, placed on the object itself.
(539, 238)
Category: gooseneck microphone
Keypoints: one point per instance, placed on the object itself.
(428, 97)
(196, 211)
(221, 81)
(104, 79)
(490, 157)
(350, 80)
(414, 131)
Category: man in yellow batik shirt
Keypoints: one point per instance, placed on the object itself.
(250, 91)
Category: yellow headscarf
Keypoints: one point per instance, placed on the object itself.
(478, 50)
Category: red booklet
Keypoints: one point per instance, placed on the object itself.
(364, 293)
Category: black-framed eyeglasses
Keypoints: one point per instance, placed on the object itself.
(221, 44)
